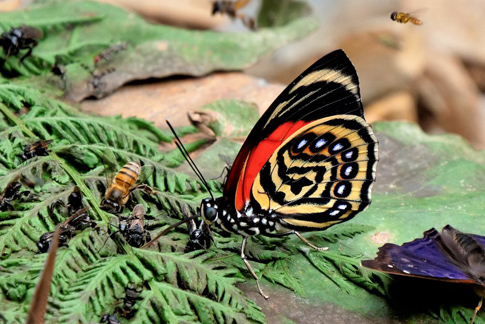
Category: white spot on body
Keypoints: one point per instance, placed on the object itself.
(407, 272)
(264, 221)
(243, 224)
(390, 266)
(256, 220)
(271, 223)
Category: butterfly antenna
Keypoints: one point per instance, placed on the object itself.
(189, 160)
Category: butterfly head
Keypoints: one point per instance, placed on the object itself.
(209, 210)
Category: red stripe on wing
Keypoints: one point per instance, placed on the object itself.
(248, 164)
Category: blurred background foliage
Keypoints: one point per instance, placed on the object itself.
(432, 74)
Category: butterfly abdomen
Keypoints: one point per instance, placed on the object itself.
(247, 223)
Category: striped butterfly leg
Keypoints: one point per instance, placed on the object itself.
(309, 243)
(477, 309)
(244, 258)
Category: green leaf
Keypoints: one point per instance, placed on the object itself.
(77, 31)
(84, 151)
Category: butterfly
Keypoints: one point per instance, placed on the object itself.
(309, 162)
(450, 256)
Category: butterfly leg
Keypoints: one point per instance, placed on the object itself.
(244, 258)
(310, 244)
(476, 310)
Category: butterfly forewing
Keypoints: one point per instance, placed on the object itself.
(321, 175)
(329, 87)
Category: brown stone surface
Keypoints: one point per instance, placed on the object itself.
(396, 106)
(172, 99)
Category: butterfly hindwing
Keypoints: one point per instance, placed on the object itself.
(424, 258)
(321, 175)
(327, 88)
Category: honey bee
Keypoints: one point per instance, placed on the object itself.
(118, 192)
(403, 18)
(231, 9)
(39, 148)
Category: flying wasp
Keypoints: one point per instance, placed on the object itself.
(231, 9)
(403, 18)
(19, 38)
(39, 148)
(133, 228)
(123, 184)
(12, 192)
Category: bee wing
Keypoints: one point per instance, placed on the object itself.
(227, 160)
(418, 12)
(145, 173)
(32, 32)
(111, 166)
(138, 211)
(46, 143)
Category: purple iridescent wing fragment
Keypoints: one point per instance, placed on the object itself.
(422, 258)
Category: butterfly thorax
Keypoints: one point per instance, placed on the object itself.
(221, 213)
